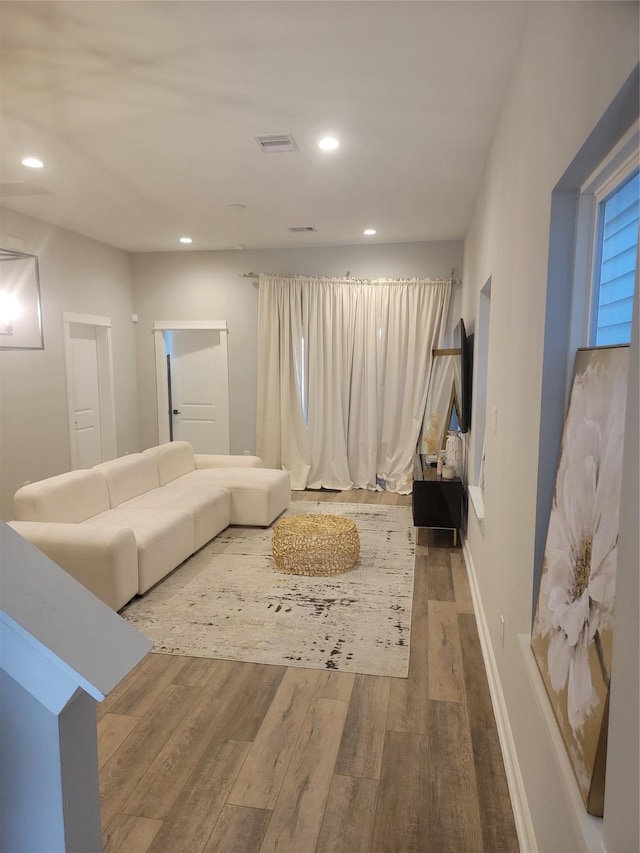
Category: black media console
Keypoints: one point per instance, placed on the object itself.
(436, 502)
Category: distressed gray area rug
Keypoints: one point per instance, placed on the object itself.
(231, 601)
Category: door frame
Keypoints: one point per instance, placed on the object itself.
(162, 392)
(106, 395)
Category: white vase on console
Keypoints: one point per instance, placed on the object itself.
(453, 452)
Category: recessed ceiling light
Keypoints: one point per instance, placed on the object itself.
(32, 163)
(328, 143)
(369, 232)
(186, 240)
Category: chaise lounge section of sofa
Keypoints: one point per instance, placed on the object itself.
(123, 525)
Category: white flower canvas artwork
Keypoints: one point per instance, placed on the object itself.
(573, 629)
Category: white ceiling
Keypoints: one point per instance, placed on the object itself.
(145, 115)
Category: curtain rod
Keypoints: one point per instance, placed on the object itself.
(444, 280)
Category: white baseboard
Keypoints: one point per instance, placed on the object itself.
(521, 813)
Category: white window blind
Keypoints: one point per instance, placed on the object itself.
(617, 244)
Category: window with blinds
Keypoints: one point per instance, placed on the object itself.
(616, 259)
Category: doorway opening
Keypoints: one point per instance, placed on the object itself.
(192, 383)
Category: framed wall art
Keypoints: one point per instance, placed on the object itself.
(20, 307)
(572, 634)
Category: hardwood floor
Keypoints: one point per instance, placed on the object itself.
(201, 755)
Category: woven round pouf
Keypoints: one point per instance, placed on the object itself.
(315, 544)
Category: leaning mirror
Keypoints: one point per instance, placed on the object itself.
(20, 309)
(444, 397)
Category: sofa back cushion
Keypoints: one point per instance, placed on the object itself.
(128, 477)
(173, 460)
(68, 498)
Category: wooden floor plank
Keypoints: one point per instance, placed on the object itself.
(408, 703)
(408, 696)
(159, 788)
(422, 537)
(327, 495)
(438, 539)
(127, 833)
(420, 584)
(193, 817)
(440, 583)
(122, 772)
(120, 689)
(496, 815)
(297, 497)
(222, 709)
(348, 816)
(336, 685)
(113, 729)
(197, 672)
(464, 601)
(401, 819)
(421, 546)
(454, 814)
(143, 692)
(238, 830)
(351, 496)
(261, 776)
(362, 742)
(445, 673)
(297, 816)
(245, 698)
(475, 677)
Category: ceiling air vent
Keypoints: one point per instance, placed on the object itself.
(301, 229)
(277, 142)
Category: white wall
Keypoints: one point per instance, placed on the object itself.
(49, 789)
(23, 721)
(573, 60)
(207, 285)
(82, 276)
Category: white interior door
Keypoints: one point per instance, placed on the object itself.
(86, 432)
(199, 388)
(91, 403)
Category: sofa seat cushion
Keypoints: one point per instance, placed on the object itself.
(209, 506)
(173, 459)
(103, 560)
(67, 498)
(258, 495)
(164, 537)
(128, 477)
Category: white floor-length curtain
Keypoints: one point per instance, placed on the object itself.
(281, 433)
(342, 377)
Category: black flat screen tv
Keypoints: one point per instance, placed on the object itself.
(465, 342)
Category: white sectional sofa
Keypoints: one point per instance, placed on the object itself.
(123, 525)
